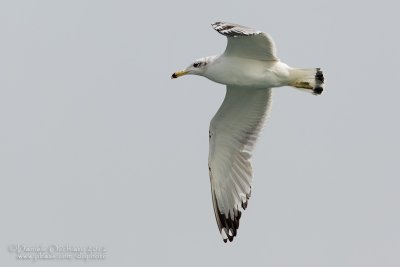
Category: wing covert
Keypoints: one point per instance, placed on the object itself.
(246, 42)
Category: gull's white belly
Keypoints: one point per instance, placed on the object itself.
(248, 72)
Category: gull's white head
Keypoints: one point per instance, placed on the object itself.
(197, 68)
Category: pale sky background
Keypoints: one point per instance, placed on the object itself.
(98, 147)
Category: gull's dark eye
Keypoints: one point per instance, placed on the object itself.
(196, 65)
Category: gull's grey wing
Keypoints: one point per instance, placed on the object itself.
(245, 42)
(233, 134)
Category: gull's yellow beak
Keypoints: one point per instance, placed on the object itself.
(178, 74)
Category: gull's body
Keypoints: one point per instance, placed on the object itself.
(247, 72)
(249, 68)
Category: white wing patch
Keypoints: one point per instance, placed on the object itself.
(233, 133)
(246, 42)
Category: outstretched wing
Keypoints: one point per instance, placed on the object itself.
(245, 42)
(233, 134)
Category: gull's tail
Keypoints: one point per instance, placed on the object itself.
(311, 80)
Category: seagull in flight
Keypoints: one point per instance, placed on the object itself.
(249, 67)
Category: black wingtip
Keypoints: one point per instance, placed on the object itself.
(319, 80)
(319, 76)
(318, 90)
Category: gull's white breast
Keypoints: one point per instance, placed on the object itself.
(248, 72)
